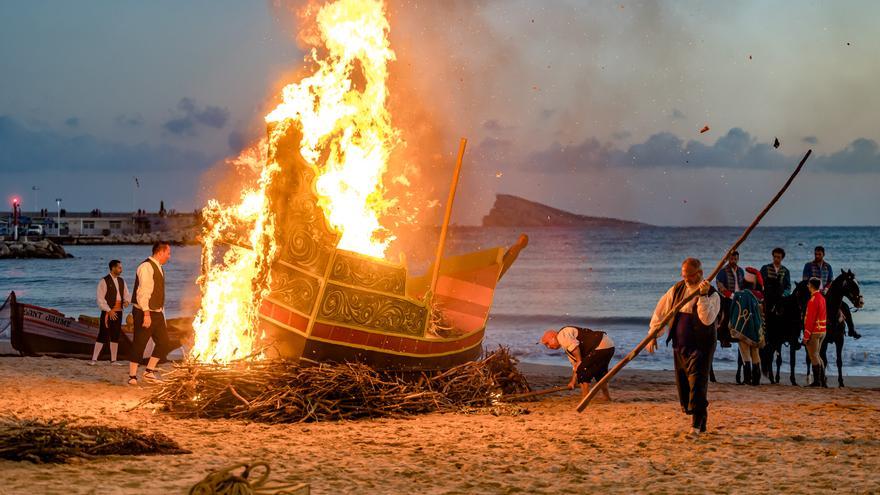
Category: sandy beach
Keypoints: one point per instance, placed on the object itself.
(778, 437)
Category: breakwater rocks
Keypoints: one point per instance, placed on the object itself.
(36, 249)
(176, 237)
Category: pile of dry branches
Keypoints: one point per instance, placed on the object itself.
(279, 391)
(58, 441)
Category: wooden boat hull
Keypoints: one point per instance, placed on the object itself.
(36, 331)
(331, 304)
(390, 327)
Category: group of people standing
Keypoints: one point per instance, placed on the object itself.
(148, 313)
(743, 307)
(737, 300)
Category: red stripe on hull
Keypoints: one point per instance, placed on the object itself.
(284, 316)
(462, 306)
(327, 351)
(392, 343)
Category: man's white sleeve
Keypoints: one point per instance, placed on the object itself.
(663, 307)
(126, 296)
(101, 294)
(708, 308)
(145, 286)
(567, 338)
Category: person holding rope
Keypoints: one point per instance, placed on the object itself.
(692, 333)
(589, 352)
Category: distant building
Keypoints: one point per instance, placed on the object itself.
(98, 223)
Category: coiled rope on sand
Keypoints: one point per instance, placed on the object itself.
(225, 482)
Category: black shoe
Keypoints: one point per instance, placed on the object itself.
(817, 376)
(699, 422)
(747, 373)
(756, 375)
(824, 379)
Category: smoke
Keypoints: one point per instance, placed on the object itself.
(519, 78)
(514, 78)
(189, 116)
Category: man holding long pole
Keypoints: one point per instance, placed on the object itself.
(651, 338)
(692, 334)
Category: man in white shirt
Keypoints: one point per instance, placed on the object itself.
(589, 352)
(149, 313)
(112, 296)
(692, 333)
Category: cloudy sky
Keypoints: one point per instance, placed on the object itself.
(588, 106)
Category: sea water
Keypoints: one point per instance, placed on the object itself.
(603, 278)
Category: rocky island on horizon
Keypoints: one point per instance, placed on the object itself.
(513, 211)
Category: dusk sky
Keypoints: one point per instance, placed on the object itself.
(591, 107)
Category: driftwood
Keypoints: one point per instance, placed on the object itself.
(278, 391)
(653, 335)
(58, 441)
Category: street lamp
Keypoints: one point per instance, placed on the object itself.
(58, 202)
(35, 189)
(16, 211)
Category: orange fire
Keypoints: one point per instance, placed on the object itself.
(347, 138)
(341, 109)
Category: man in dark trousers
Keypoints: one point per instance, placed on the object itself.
(149, 313)
(589, 351)
(112, 296)
(692, 334)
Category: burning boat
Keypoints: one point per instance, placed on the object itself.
(332, 304)
(297, 268)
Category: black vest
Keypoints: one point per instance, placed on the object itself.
(588, 341)
(110, 297)
(687, 330)
(157, 298)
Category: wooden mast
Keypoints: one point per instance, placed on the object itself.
(446, 217)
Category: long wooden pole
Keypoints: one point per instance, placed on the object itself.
(447, 216)
(653, 335)
(534, 393)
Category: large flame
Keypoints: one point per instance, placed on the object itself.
(233, 290)
(347, 131)
(347, 138)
